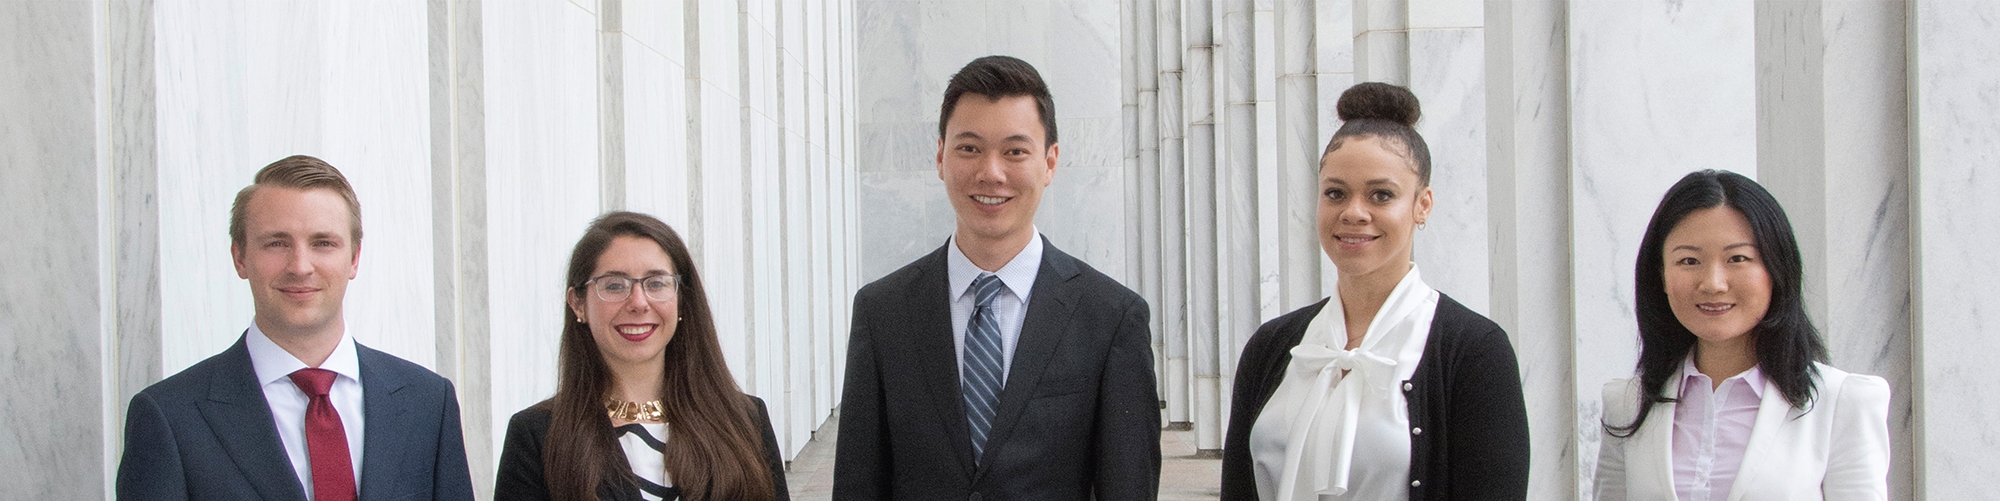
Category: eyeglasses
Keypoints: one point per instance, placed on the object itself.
(613, 288)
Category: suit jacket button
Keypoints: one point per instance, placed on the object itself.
(1416, 431)
(1416, 483)
(1407, 386)
(973, 497)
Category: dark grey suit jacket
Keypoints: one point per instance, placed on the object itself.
(207, 433)
(1079, 416)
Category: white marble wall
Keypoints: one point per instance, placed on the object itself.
(54, 324)
(541, 141)
(481, 137)
(1954, 84)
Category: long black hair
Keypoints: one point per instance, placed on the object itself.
(1785, 340)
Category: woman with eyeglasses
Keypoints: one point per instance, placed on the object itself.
(1733, 399)
(645, 408)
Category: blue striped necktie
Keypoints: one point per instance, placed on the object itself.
(980, 377)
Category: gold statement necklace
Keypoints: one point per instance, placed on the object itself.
(638, 412)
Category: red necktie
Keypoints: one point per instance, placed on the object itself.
(326, 440)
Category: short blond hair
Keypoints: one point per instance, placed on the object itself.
(298, 172)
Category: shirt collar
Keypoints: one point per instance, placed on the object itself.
(1018, 275)
(273, 363)
(1691, 375)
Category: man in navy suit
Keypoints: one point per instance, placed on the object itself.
(998, 367)
(296, 410)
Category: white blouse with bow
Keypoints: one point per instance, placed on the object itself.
(1336, 427)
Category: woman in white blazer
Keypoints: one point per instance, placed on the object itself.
(1732, 400)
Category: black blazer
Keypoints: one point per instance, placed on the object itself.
(1078, 417)
(1465, 396)
(207, 433)
(521, 474)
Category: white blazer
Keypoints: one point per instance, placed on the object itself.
(1837, 449)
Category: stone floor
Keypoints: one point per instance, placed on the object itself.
(1183, 477)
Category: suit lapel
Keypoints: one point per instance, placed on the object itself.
(1044, 326)
(936, 356)
(1656, 442)
(385, 429)
(1772, 414)
(241, 420)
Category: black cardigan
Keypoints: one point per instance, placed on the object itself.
(1465, 396)
(521, 474)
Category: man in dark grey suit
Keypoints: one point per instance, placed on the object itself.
(296, 410)
(998, 367)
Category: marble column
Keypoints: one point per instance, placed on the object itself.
(1152, 267)
(1446, 69)
(129, 126)
(1171, 307)
(541, 121)
(1952, 75)
(1833, 147)
(1296, 168)
(1657, 88)
(462, 320)
(1528, 208)
(1237, 231)
(1206, 339)
(58, 307)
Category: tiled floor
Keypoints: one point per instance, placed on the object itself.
(1182, 476)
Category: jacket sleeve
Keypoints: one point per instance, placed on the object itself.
(1610, 478)
(1857, 466)
(520, 477)
(861, 468)
(1488, 435)
(772, 456)
(1239, 481)
(151, 468)
(1128, 413)
(451, 478)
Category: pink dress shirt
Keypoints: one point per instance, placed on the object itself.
(1711, 430)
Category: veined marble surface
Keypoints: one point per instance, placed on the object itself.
(541, 187)
(52, 333)
(1955, 71)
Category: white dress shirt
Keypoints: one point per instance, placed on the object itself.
(1017, 276)
(274, 368)
(1328, 435)
(1711, 430)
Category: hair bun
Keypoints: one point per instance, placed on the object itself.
(1379, 101)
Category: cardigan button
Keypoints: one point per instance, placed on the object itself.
(1416, 483)
(1407, 386)
(1416, 431)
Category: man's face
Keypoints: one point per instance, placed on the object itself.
(994, 166)
(298, 255)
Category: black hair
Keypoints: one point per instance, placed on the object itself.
(1380, 110)
(1785, 340)
(1001, 76)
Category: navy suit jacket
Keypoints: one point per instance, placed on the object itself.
(207, 433)
(1079, 415)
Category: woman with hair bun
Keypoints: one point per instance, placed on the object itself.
(1388, 389)
(1733, 400)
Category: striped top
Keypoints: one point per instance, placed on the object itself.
(645, 449)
